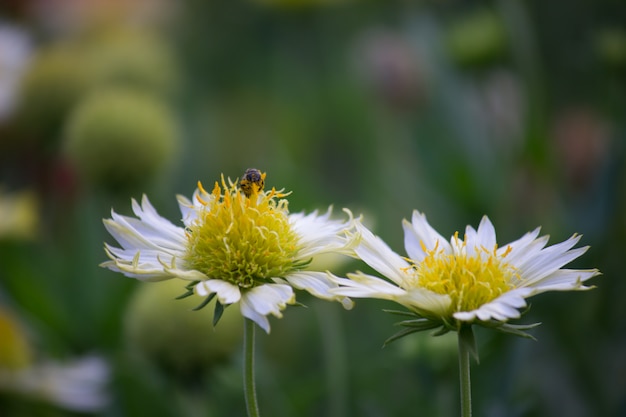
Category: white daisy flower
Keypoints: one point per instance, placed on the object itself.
(79, 384)
(238, 242)
(463, 281)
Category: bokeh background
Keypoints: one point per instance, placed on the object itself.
(513, 109)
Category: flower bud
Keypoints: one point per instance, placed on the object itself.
(54, 82)
(477, 39)
(611, 48)
(121, 139)
(132, 58)
(177, 339)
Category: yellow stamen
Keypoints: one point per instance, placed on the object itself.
(470, 281)
(242, 240)
(201, 188)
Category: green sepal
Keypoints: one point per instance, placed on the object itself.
(189, 287)
(185, 295)
(416, 323)
(204, 303)
(466, 337)
(217, 313)
(302, 264)
(441, 331)
(518, 330)
(402, 313)
(419, 324)
(400, 334)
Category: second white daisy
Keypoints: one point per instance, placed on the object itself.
(450, 284)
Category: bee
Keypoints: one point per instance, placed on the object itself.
(252, 181)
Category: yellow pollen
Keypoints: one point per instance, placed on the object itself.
(470, 281)
(246, 241)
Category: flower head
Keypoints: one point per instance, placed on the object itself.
(463, 281)
(239, 243)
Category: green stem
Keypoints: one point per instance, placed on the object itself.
(249, 387)
(464, 374)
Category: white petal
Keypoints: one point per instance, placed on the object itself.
(186, 274)
(142, 273)
(319, 233)
(501, 309)
(148, 244)
(518, 245)
(564, 280)
(227, 293)
(485, 235)
(426, 301)
(149, 216)
(316, 283)
(134, 268)
(255, 316)
(187, 209)
(361, 285)
(551, 259)
(524, 249)
(266, 299)
(418, 232)
(374, 252)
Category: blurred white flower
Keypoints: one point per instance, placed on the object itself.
(15, 52)
(77, 384)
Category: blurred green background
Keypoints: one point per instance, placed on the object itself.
(513, 109)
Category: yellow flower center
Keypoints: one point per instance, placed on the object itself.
(470, 281)
(243, 240)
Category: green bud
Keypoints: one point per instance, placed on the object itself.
(477, 39)
(179, 340)
(137, 59)
(611, 47)
(54, 82)
(121, 139)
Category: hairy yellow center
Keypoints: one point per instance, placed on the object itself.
(470, 281)
(242, 240)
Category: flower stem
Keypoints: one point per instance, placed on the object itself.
(464, 370)
(249, 386)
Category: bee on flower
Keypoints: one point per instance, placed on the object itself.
(252, 182)
(238, 243)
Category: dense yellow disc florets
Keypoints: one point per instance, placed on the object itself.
(470, 281)
(243, 240)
